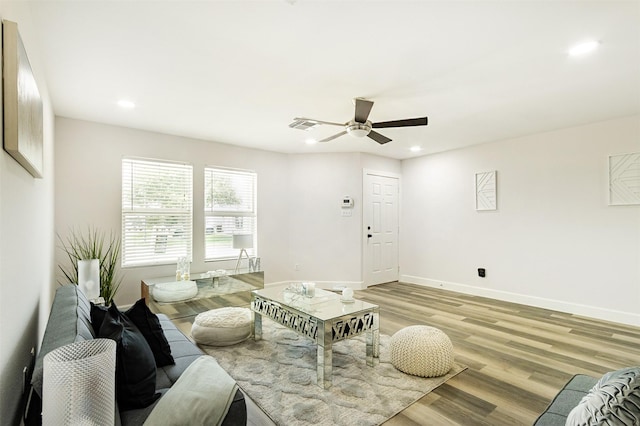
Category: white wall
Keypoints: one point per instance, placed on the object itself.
(26, 242)
(324, 245)
(299, 213)
(553, 242)
(88, 190)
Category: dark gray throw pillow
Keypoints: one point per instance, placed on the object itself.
(614, 400)
(135, 365)
(97, 316)
(149, 325)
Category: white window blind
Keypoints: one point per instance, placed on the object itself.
(157, 207)
(230, 208)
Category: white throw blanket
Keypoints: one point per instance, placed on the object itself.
(202, 395)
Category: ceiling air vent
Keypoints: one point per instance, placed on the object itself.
(303, 124)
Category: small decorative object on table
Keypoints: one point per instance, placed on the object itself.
(183, 269)
(309, 289)
(347, 295)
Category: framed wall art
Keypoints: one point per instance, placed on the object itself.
(486, 193)
(22, 127)
(624, 179)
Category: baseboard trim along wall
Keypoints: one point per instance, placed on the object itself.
(556, 305)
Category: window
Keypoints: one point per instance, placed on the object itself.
(156, 211)
(230, 209)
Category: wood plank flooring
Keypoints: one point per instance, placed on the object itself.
(518, 356)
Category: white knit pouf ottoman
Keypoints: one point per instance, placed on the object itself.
(176, 291)
(422, 351)
(222, 327)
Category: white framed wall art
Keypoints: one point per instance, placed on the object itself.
(486, 191)
(624, 179)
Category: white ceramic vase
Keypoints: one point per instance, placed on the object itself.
(89, 277)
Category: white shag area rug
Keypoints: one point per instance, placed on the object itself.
(279, 375)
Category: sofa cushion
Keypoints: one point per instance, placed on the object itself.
(568, 397)
(135, 365)
(149, 325)
(184, 352)
(69, 322)
(137, 416)
(614, 400)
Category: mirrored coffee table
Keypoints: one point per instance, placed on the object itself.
(325, 319)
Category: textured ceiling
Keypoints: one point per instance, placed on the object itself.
(238, 72)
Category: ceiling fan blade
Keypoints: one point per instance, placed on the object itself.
(381, 139)
(313, 120)
(422, 121)
(330, 138)
(363, 108)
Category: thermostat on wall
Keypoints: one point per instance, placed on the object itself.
(347, 202)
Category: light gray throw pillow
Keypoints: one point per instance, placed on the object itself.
(613, 401)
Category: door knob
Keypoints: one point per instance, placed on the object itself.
(369, 235)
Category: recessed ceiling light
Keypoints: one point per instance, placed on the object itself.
(584, 48)
(415, 149)
(124, 103)
(311, 141)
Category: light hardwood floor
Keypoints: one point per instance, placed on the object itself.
(518, 356)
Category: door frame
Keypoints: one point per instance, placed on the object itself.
(363, 236)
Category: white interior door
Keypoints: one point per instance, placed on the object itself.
(380, 221)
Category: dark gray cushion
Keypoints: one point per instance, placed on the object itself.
(135, 365)
(69, 322)
(568, 397)
(138, 416)
(150, 327)
(614, 400)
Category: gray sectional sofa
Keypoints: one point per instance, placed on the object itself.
(568, 397)
(70, 321)
(613, 399)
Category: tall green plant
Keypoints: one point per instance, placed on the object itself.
(94, 244)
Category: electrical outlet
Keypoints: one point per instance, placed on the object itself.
(482, 273)
(296, 267)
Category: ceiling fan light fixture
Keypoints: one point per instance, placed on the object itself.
(360, 126)
(359, 130)
(584, 48)
(126, 104)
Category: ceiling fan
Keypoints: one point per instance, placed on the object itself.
(360, 126)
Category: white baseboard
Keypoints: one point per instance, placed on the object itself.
(325, 285)
(540, 302)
